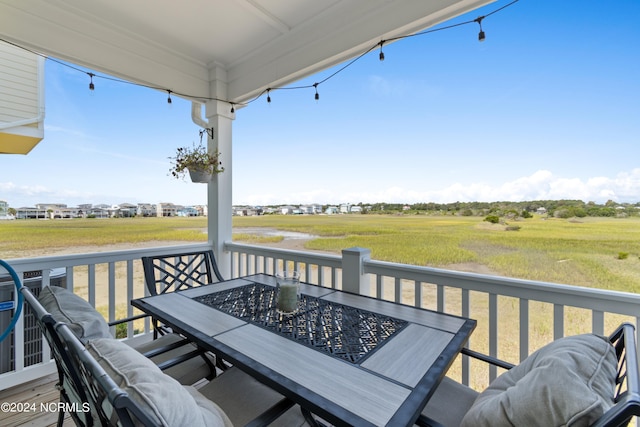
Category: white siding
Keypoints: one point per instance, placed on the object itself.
(21, 94)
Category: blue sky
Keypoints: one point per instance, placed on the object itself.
(548, 107)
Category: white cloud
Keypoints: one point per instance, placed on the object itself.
(541, 185)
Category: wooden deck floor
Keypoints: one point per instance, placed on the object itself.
(42, 390)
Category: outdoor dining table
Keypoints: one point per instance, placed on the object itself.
(350, 359)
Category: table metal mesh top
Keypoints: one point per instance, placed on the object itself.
(345, 332)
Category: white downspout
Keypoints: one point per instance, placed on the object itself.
(196, 115)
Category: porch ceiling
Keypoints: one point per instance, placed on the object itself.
(186, 46)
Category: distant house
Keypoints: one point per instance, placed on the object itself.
(98, 212)
(344, 208)
(541, 210)
(308, 209)
(31, 213)
(124, 210)
(331, 210)
(145, 209)
(166, 209)
(287, 210)
(356, 209)
(4, 210)
(187, 211)
(53, 211)
(247, 211)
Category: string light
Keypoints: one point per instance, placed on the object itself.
(481, 33)
(481, 37)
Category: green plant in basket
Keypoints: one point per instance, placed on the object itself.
(195, 159)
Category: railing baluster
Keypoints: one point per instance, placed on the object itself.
(558, 321)
(597, 322)
(91, 284)
(465, 312)
(440, 298)
(493, 333)
(112, 291)
(69, 276)
(524, 328)
(130, 296)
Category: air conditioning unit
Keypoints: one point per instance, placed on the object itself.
(32, 335)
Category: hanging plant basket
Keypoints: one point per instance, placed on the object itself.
(198, 175)
(201, 164)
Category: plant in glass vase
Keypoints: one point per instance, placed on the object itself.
(197, 161)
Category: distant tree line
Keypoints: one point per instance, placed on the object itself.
(550, 208)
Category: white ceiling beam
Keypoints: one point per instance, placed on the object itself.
(264, 15)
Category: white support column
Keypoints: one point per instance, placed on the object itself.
(219, 196)
(353, 277)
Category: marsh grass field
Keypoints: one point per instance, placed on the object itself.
(593, 252)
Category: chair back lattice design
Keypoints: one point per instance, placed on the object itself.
(91, 397)
(170, 273)
(627, 393)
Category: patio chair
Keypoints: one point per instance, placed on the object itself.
(172, 352)
(68, 377)
(580, 380)
(107, 383)
(170, 273)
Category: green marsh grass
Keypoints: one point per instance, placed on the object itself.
(583, 253)
(29, 235)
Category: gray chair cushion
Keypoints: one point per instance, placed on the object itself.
(67, 307)
(187, 372)
(160, 395)
(450, 402)
(243, 398)
(569, 382)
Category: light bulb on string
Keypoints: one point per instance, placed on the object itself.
(91, 85)
(380, 44)
(481, 36)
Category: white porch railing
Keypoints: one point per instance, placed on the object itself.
(514, 316)
(111, 277)
(511, 313)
